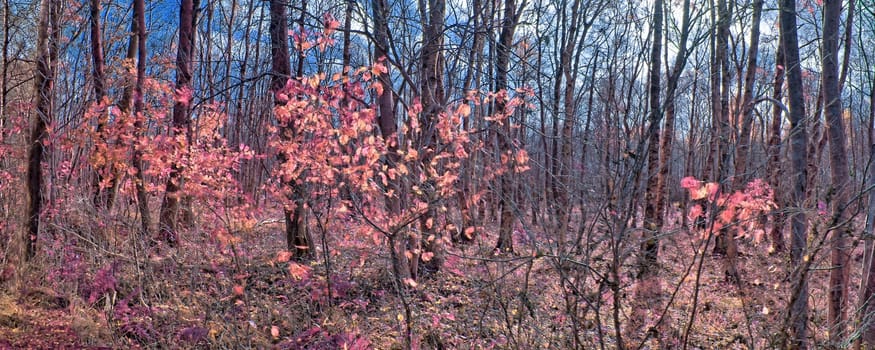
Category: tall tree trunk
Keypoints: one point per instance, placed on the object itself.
(389, 131)
(170, 208)
(667, 137)
(725, 241)
(841, 183)
(866, 318)
(774, 152)
(139, 107)
(467, 232)
(798, 150)
(4, 63)
(747, 103)
(650, 246)
(99, 200)
(562, 141)
(298, 240)
(433, 100)
(648, 289)
(125, 104)
(47, 55)
(505, 42)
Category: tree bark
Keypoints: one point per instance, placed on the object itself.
(97, 62)
(647, 263)
(388, 130)
(747, 104)
(298, 240)
(667, 137)
(841, 183)
(648, 290)
(866, 321)
(170, 209)
(139, 107)
(798, 332)
(44, 81)
(503, 51)
(774, 151)
(433, 100)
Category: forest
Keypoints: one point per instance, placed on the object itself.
(433, 174)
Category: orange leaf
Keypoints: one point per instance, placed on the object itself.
(464, 110)
(283, 256)
(298, 271)
(238, 290)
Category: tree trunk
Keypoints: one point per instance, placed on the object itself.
(388, 130)
(841, 183)
(433, 100)
(798, 149)
(747, 103)
(125, 105)
(725, 241)
(47, 54)
(648, 290)
(298, 240)
(667, 138)
(139, 107)
(99, 200)
(774, 152)
(505, 42)
(866, 321)
(170, 208)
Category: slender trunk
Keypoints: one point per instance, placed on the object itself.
(505, 41)
(774, 148)
(714, 89)
(433, 100)
(866, 308)
(97, 62)
(4, 70)
(725, 242)
(747, 103)
(841, 182)
(798, 332)
(648, 290)
(667, 137)
(298, 240)
(47, 53)
(689, 166)
(388, 130)
(170, 208)
(650, 246)
(139, 116)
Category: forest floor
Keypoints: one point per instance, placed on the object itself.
(239, 292)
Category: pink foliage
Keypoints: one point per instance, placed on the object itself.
(736, 210)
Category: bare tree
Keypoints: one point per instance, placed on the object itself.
(433, 102)
(649, 287)
(774, 151)
(839, 192)
(798, 312)
(747, 104)
(47, 56)
(509, 23)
